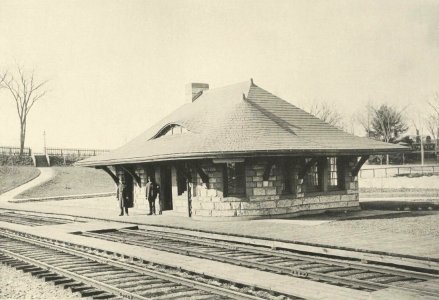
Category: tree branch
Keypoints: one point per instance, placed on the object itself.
(23, 89)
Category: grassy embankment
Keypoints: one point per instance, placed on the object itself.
(419, 192)
(72, 181)
(422, 183)
(14, 176)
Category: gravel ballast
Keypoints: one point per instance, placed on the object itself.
(18, 285)
(413, 223)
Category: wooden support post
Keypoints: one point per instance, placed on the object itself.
(323, 174)
(341, 172)
(109, 172)
(133, 174)
(358, 165)
(307, 167)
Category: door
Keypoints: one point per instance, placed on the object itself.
(129, 189)
(166, 187)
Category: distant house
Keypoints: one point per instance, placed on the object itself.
(240, 151)
(418, 145)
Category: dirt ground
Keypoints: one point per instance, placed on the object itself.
(413, 223)
(17, 285)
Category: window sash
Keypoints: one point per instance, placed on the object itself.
(333, 172)
(312, 178)
(234, 179)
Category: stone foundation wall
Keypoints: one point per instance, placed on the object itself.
(266, 198)
(207, 199)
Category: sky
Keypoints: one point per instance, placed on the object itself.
(114, 68)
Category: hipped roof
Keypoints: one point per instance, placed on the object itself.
(240, 120)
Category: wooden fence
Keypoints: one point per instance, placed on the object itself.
(75, 152)
(7, 150)
(390, 171)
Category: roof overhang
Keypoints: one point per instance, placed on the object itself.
(240, 154)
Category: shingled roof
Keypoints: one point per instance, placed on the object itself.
(240, 120)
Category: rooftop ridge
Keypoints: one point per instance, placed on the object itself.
(285, 125)
(228, 86)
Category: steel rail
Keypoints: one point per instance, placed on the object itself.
(36, 216)
(85, 280)
(169, 277)
(284, 254)
(43, 215)
(265, 267)
(297, 272)
(29, 219)
(19, 222)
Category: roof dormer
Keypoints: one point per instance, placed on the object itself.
(170, 129)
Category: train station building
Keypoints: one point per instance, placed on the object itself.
(241, 152)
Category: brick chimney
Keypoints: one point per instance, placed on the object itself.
(193, 90)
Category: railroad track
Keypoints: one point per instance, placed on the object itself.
(30, 219)
(348, 273)
(108, 275)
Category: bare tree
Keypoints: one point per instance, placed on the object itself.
(328, 114)
(432, 124)
(432, 120)
(364, 117)
(2, 78)
(26, 91)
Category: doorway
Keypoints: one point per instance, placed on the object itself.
(129, 186)
(166, 187)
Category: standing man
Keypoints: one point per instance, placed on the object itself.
(123, 197)
(151, 195)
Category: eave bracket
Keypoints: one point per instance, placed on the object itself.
(267, 170)
(109, 172)
(202, 174)
(358, 165)
(133, 174)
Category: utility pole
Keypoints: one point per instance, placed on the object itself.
(44, 137)
(419, 135)
(368, 122)
(436, 143)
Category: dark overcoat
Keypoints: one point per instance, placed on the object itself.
(151, 191)
(124, 196)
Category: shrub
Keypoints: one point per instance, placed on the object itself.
(68, 160)
(15, 160)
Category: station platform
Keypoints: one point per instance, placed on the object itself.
(287, 285)
(353, 231)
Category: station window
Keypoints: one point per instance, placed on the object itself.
(312, 178)
(333, 173)
(234, 179)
